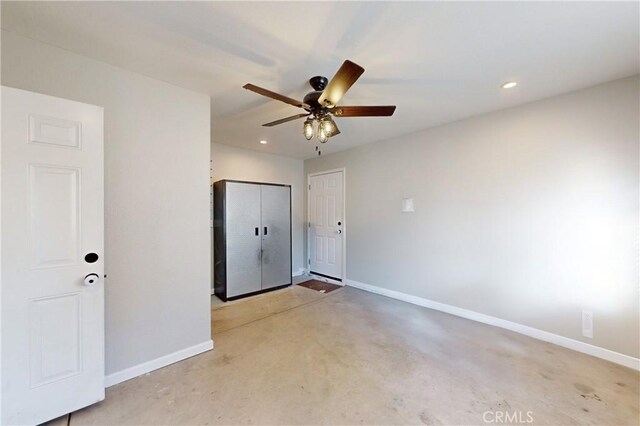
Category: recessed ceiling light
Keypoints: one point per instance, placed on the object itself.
(509, 85)
(263, 142)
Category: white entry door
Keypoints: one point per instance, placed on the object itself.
(326, 224)
(52, 324)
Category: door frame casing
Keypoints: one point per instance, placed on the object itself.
(307, 268)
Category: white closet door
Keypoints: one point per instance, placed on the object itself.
(242, 226)
(276, 235)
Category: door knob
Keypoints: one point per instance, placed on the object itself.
(339, 231)
(91, 279)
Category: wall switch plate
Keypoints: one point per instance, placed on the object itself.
(587, 324)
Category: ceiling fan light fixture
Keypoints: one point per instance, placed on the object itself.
(322, 135)
(329, 126)
(509, 84)
(307, 129)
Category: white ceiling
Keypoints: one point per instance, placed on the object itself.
(438, 62)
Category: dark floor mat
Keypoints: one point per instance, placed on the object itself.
(320, 286)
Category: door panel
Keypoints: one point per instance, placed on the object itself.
(52, 215)
(326, 224)
(54, 131)
(55, 338)
(276, 242)
(243, 245)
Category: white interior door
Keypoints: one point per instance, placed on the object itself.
(326, 224)
(52, 323)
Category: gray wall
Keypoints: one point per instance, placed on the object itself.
(157, 140)
(229, 162)
(528, 214)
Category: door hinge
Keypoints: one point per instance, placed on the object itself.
(309, 187)
(308, 261)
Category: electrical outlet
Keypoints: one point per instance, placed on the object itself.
(587, 324)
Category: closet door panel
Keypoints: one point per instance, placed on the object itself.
(243, 245)
(276, 235)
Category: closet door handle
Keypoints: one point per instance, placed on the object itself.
(257, 231)
(265, 230)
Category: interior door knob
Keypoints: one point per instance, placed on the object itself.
(339, 231)
(91, 279)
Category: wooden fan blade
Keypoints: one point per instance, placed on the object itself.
(284, 120)
(348, 73)
(274, 95)
(364, 111)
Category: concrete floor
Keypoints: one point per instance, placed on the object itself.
(351, 357)
(239, 312)
(296, 279)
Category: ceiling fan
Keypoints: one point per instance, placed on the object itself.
(322, 103)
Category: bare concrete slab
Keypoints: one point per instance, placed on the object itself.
(60, 421)
(357, 358)
(243, 311)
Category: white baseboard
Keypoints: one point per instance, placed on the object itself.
(300, 271)
(566, 342)
(154, 364)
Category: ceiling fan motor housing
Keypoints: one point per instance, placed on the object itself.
(318, 82)
(311, 99)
